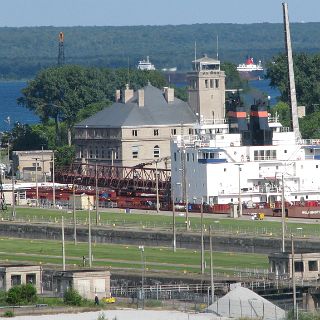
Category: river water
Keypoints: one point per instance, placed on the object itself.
(10, 91)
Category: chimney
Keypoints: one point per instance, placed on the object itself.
(117, 96)
(128, 94)
(169, 94)
(141, 98)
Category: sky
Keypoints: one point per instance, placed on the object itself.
(18, 13)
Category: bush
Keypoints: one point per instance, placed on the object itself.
(22, 294)
(72, 297)
(8, 314)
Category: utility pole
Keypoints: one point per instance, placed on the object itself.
(239, 189)
(63, 246)
(202, 242)
(61, 50)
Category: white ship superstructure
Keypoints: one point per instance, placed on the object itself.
(146, 65)
(247, 156)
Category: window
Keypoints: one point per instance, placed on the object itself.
(134, 133)
(155, 132)
(97, 152)
(156, 151)
(193, 157)
(190, 131)
(91, 153)
(285, 151)
(188, 158)
(298, 266)
(135, 152)
(206, 83)
(313, 265)
(102, 152)
(211, 83)
(173, 131)
(175, 156)
(217, 83)
(316, 166)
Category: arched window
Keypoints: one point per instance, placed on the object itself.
(156, 151)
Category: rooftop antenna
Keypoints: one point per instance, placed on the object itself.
(292, 87)
(61, 49)
(217, 47)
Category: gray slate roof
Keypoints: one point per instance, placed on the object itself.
(156, 111)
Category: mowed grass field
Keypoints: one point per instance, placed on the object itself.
(128, 257)
(302, 228)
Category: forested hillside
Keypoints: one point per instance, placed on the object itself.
(23, 51)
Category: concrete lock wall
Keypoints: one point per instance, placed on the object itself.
(139, 237)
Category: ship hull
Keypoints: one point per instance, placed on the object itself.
(251, 75)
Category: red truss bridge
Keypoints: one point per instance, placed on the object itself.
(124, 180)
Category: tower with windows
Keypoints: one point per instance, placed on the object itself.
(206, 89)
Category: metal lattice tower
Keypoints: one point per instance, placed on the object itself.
(61, 49)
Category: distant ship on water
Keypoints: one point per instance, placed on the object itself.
(146, 65)
(251, 71)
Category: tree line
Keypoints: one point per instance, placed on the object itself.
(25, 51)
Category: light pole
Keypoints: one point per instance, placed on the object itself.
(89, 233)
(202, 242)
(239, 189)
(74, 210)
(97, 194)
(157, 186)
(283, 215)
(293, 280)
(53, 183)
(141, 248)
(174, 236)
(37, 189)
(13, 213)
(211, 267)
(63, 246)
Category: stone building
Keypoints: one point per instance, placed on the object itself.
(12, 275)
(28, 164)
(87, 282)
(137, 128)
(306, 265)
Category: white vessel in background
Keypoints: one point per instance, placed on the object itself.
(146, 65)
(249, 70)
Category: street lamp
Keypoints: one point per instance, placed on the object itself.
(239, 189)
(141, 248)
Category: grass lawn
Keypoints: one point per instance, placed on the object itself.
(222, 225)
(124, 256)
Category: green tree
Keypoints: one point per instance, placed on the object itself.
(65, 155)
(307, 78)
(282, 110)
(309, 126)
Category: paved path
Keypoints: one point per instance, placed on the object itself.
(126, 315)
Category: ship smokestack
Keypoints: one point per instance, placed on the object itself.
(292, 87)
